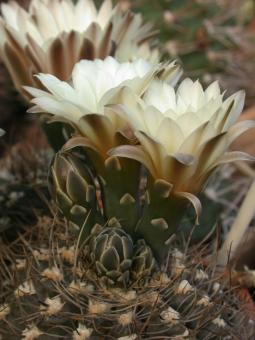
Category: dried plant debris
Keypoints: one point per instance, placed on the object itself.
(221, 200)
(228, 189)
(23, 183)
(48, 291)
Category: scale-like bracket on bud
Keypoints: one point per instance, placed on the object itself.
(74, 191)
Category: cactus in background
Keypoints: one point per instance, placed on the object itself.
(184, 29)
(51, 291)
(213, 39)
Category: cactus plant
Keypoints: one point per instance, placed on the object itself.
(139, 152)
(49, 291)
(117, 259)
(179, 139)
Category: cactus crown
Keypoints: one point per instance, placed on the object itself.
(116, 259)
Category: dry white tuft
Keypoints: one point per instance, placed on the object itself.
(4, 311)
(128, 337)
(152, 298)
(201, 275)
(31, 333)
(96, 307)
(82, 332)
(68, 254)
(178, 259)
(204, 301)
(219, 322)
(170, 316)
(51, 306)
(160, 280)
(20, 264)
(184, 287)
(42, 254)
(129, 295)
(53, 274)
(26, 288)
(125, 319)
(78, 287)
(178, 255)
(182, 336)
(78, 271)
(216, 287)
(164, 279)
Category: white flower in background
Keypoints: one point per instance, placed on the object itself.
(54, 16)
(95, 85)
(1, 132)
(184, 133)
(52, 35)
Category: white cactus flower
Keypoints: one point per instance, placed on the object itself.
(52, 35)
(95, 85)
(184, 133)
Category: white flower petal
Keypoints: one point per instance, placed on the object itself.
(238, 98)
(167, 96)
(213, 90)
(58, 88)
(63, 109)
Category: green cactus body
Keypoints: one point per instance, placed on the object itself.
(154, 219)
(120, 183)
(111, 253)
(161, 217)
(117, 260)
(74, 191)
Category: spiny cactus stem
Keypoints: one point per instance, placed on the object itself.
(119, 179)
(119, 183)
(160, 218)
